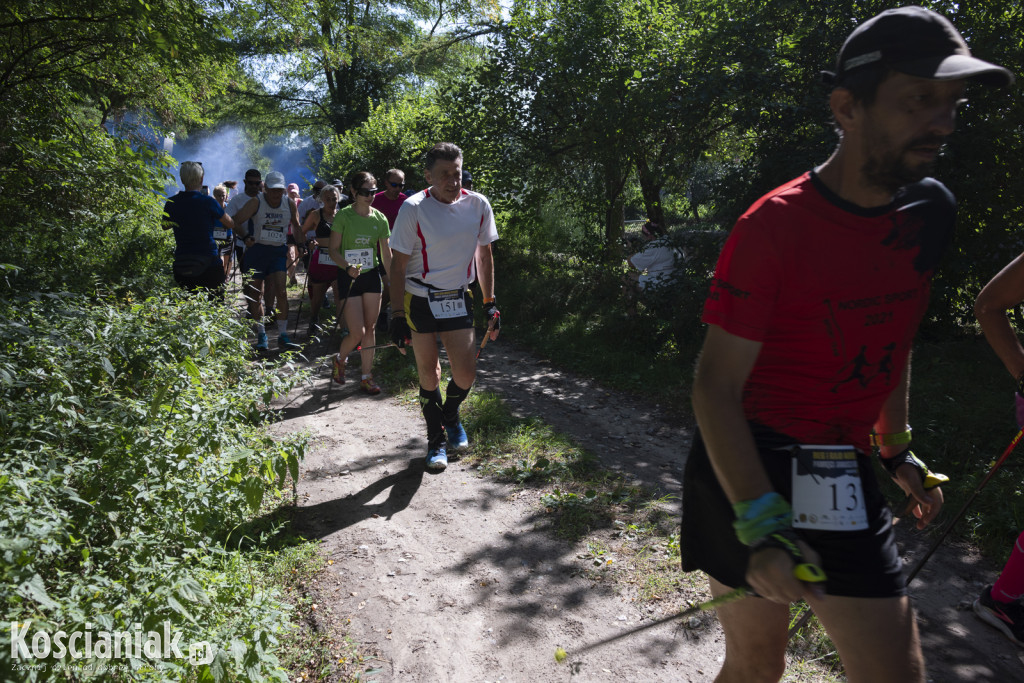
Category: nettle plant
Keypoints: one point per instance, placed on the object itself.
(133, 442)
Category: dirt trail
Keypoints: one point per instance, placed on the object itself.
(451, 577)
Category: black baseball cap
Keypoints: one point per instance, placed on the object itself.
(253, 173)
(917, 42)
(467, 177)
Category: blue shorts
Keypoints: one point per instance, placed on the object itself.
(264, 260)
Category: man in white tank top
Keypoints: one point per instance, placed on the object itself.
(266, 255)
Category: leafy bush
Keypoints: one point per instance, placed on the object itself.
(133, 443)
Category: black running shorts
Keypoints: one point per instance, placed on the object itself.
(421, 318)
(861, 564)
(368, 282)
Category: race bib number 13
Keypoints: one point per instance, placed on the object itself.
(447, 304)
(827, 491)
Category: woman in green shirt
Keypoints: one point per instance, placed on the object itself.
(357, 231)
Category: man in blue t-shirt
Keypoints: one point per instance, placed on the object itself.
(192, 216)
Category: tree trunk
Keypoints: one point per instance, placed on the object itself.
(650, 188)
(615, 217)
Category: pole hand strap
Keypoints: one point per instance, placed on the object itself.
(906, 457)
(785, 539)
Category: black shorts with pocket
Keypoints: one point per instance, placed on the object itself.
(861, 564)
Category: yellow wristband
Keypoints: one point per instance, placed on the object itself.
(893, 439)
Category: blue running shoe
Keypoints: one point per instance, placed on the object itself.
(457, 439)
(437, 458)
(261, 341)
(285, 342)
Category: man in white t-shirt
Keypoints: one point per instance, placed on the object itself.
(434, 245)
(656, 259)
(312, 202)
(252, 185)
(653, 264)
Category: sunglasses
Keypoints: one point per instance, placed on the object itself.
(397, 184)
(366, 192)
(252, 182)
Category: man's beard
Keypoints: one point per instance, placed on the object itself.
(889, 171)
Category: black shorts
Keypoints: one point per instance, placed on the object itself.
(368, 282)
(210, 279)
(421, 318)
(860, 564)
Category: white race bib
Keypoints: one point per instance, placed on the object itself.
(220, 233)
(273, 234)
(325, 257)
(827, 491)
(450, 303)
(360, 257)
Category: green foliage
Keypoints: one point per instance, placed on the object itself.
(327, 64)
(83, 88)
(396, 135)
(577, 315)
(132, 446)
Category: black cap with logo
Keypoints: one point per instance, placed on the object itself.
(917, 42)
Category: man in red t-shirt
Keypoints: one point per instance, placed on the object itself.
(811, 315)
(388, 201)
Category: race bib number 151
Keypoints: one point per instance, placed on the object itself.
(450, 303)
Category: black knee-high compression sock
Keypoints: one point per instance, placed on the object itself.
(430, 401)
(454, 396)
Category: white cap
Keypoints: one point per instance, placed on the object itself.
(274, 181)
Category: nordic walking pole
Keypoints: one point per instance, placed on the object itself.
(344, 302)
(806, 572)
(731, 596)
(977, 490)
(375, 346)
(487, 336)
(305, 290)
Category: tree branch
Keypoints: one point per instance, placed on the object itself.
(280, 98)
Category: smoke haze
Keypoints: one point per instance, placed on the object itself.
(222, 152)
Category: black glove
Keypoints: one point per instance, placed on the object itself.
(400, 332)
(493, 316)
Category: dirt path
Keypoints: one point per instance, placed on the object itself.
(448, 577)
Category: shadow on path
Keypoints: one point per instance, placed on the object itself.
(323, 519)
